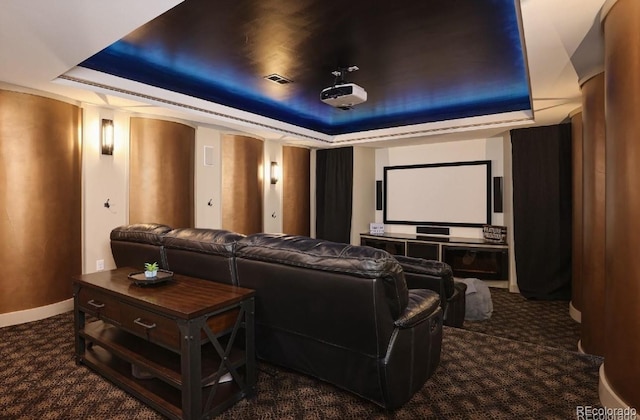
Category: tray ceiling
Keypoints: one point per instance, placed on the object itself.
(420, 62)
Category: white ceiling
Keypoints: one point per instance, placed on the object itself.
(41, 40)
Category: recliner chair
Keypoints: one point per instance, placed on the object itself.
(437, 276)
(341, 313)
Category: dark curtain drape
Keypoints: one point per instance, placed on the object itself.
(542, 210)
(334, 184)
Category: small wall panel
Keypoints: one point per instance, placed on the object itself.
(161, 173)
(296, 190)
(40, 193)
(242, 178)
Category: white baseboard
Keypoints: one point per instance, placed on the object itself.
(498, 284)
(575, 314)
(608, 397)
(35, 314)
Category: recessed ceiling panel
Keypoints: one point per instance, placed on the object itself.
(419, 62)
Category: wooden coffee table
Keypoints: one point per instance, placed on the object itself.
(184, 334)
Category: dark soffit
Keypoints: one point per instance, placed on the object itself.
(420, 61)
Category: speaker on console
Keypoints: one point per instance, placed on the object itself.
(497, 194)
(432, 230)
(378, 195)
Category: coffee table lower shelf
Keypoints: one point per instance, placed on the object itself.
(156, 393)
(109, 353)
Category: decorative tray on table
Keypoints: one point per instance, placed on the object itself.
(138, 277)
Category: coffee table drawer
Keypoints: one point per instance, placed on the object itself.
(156, 328)
(99, 304)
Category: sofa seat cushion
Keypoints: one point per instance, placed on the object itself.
(318, 254)
(204, 241)
(146, 233)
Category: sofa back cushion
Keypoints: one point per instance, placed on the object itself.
(203, 253)
(135, 244)
(318, 254)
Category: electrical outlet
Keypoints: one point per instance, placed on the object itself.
(99, 265)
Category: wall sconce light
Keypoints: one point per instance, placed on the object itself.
(275, 172)
(106, 137)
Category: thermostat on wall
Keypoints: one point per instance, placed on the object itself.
(376, 228)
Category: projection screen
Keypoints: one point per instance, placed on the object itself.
(442, 194)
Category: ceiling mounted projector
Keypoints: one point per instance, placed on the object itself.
(342, 94)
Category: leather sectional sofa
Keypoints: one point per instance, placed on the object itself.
(338, 312)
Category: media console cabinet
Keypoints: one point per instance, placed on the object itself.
(468, 257)
(168, 344)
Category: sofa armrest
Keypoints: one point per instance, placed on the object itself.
(456, 307)
(423, 303)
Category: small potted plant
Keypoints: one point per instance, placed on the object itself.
(150, 269)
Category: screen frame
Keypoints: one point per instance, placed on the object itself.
(486, 163)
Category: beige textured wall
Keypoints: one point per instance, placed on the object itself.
(207, 179)
(272, 208)
(364, 191)
(40, 222)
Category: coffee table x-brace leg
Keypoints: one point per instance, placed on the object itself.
(192, 396)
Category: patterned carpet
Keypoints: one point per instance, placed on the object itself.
(529, 371)
(546, 323)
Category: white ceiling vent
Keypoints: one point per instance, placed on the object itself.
(276, 78)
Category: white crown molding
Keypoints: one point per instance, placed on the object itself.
(36, 92)
(504, 120)
(198, 109)
(211, 113)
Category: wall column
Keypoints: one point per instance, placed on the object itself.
(593, 334)
(575, 307)
(40, 186)
(296, 190)
(242, 184)
(620, 373)
(161, 172)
